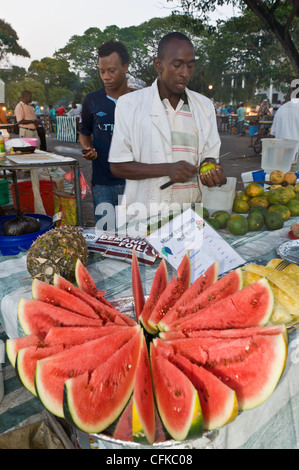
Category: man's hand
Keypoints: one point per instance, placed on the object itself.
(213, 177)
(89, 153)
(181, 171)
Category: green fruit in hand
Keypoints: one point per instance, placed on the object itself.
(206, 168)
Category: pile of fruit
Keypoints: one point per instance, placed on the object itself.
(256, 208)
(192, 357)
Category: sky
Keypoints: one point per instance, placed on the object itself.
(45, 27)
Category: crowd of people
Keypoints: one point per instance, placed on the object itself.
(147, 144)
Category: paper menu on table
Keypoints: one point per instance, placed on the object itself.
(188, 232)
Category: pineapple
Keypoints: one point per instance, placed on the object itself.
(57, 251)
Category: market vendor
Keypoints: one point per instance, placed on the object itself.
(26, 117)
(164, 132)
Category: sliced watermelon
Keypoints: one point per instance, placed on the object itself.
(85, 282)
(137, 287)
(203, 282)
(158, 286)
(53, 295)
(143, 409)
(123, 428)
(26, 362)
(13, 345)
(37, 317)
(94, 401)
(70, 336)
(224, 287)
(250, 366)
(173, 291)
(218, 402)
(176, 398)
(52, 372)
(243, 309)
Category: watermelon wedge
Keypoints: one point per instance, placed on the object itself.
(245, 308)
(37, 317)
(250, 366)
(158, 286)
(222, 288)
(85, 282)
(70, 336)
(13, 345)
(203, 282)
(176, 398)
(52, 372)
(26, 362)
(137, 287)
(53, 295)
(218, 402)
(94, 401)
(143, 406)
(173, 291)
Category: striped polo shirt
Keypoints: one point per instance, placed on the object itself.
(184, 137)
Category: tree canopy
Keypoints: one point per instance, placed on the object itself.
(9, 42)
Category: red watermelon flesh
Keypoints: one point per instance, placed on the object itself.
(94, 401)
(191, 348)
(173, 291)
(224, 287)
(13, 345)
(250, 366)
(176, 398)
(52, 372)
(138, 294)
(26, 362)
(243, 309)
(38, 318)
(234, 332)
(69, 336)
(86, 283)
(144, 426)
(203, 282)
(45, 292)
(158, 286)
(218, 402)
(123, 428)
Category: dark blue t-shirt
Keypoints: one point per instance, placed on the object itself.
(98, 120)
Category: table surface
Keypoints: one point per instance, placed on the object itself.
(37, 159)
(272, 425)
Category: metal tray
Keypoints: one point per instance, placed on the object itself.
(289, 251)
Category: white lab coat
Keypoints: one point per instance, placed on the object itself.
(142, 133)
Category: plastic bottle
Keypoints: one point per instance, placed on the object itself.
(2, 147)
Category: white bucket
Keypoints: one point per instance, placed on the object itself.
(278, 154)
(219, 197)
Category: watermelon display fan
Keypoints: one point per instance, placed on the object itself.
(191, 359)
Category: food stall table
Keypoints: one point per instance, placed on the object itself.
(40, 159)
(272, 425)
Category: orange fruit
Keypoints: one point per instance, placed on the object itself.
(240, 206)
(206, 167)
(296, 188)
(290, 178)
(259, 201)
(276, 176)
(254, 189)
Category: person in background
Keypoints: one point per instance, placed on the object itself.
(230, 109)
(26, 117)
(164, 132)
(264, 110)
(52, 116)
(223, 110)
(241, 114)
(74, 111)
(97, 123)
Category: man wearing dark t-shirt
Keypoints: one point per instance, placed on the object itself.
(98, 121)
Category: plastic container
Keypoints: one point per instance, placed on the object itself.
(4, 192)
(219, 197)
(27, 198)
(10, 246)
(253, 130)
(278, 154)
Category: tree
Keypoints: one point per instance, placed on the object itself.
(9, 42)
(278, 15)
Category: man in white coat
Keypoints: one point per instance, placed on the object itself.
(163, 133)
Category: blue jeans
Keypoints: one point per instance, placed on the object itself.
(105, 198)
(240, 127)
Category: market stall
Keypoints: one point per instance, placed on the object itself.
(273, 424)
